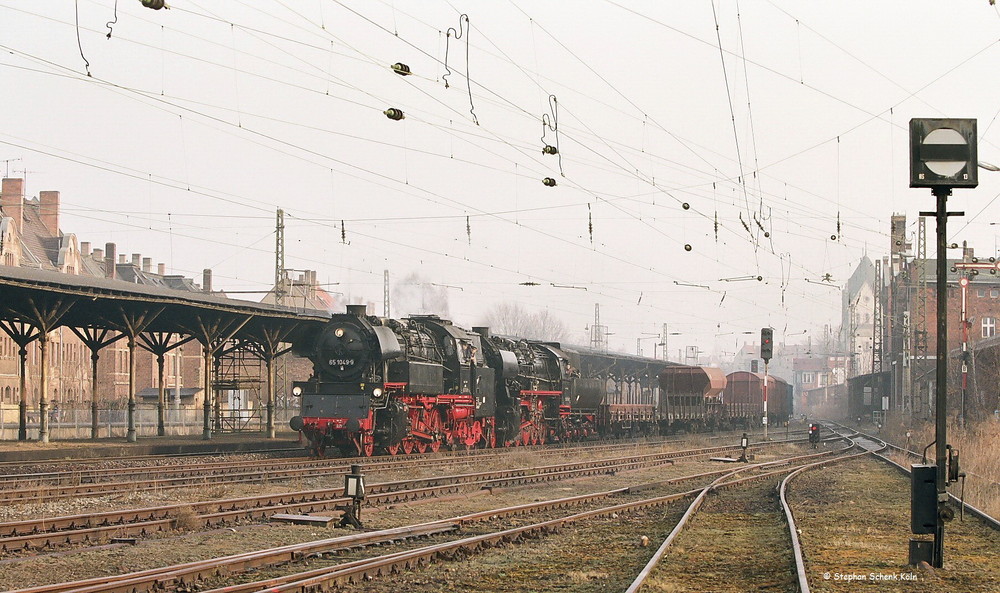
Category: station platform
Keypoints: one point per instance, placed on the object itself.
(243, 442)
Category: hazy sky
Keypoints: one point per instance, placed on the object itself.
(700, 146)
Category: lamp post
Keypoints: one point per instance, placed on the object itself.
(943, 156)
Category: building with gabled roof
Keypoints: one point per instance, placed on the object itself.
(857, 328)
(30, 237)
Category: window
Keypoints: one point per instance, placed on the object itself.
(989, 327)
(981, 293)
(994, 293)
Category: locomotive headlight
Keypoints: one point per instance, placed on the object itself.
(377, 392)
(296, 391)
(339, 332)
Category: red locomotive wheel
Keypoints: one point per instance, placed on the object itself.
(434, 446)
(392, 449)
(366, 445)
(408, 446)
(421, 447)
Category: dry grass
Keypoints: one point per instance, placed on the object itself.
(978, 445)
(854, 520)
(185, 518)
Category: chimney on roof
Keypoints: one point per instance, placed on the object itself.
(967, 252)
(122, 258)
(48, 211)
(161, 269)
(312, 284)
(12, 201)
(85, 248)
(136, 258)
(98, 254)
(147, 264)
(109, 260)
(206, 280)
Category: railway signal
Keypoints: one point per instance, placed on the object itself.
(766, 343)
(354, 488)
(766, 351)
(814, 434)
(943, 156)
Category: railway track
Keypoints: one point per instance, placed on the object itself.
(184, 576)
(890, 448)
(100, 527)
(36, 488)
(757, 527)
(96, 471)
(870, 445)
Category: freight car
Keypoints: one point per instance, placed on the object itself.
(420, 383)
(690, 399)
(743, 400)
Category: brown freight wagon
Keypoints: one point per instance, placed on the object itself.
(743, 400)
(690, 398)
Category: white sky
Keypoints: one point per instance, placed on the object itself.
(200, 121)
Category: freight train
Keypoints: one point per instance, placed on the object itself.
(422, 383)
(694, 399)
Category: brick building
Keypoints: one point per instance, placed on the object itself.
(30, 237)
(910, 335)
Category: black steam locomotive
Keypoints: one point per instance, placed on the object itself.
(420, 383)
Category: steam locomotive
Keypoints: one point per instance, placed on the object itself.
(421, 383)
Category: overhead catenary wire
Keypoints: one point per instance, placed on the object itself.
(761, 193)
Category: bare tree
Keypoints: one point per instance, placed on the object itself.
(513, 320)
(549, 327)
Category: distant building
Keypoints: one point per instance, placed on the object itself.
(815, 377)
(857, 326)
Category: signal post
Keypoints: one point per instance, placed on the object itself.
(766, 351)
(943, 156)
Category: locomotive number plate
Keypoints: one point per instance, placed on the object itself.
(341, 362)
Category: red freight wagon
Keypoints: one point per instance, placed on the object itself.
(743, 399)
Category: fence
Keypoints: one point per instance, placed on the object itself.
(75, 423)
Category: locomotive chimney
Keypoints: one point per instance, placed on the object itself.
(358, 310)
(483, 331)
